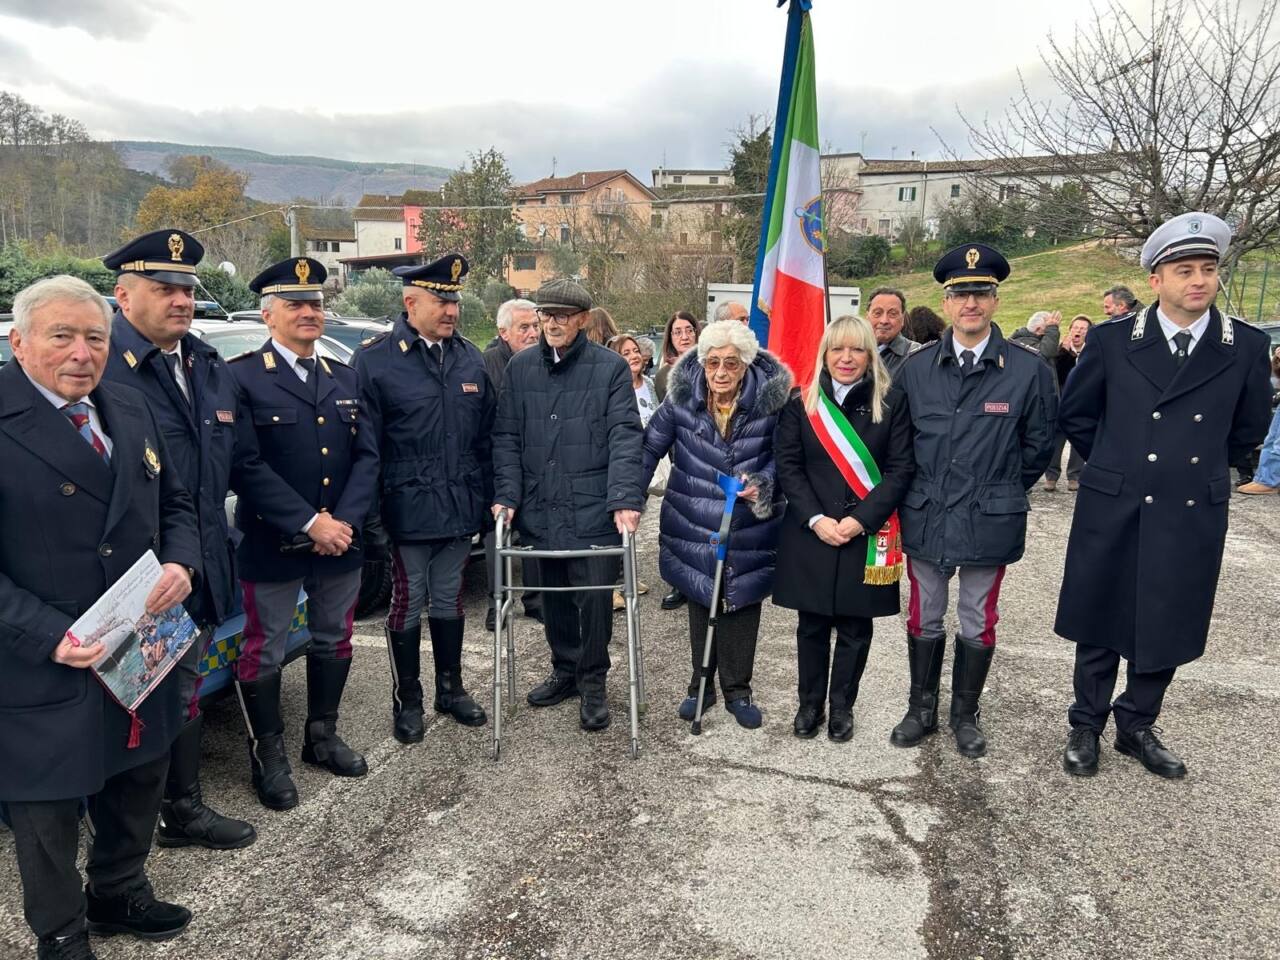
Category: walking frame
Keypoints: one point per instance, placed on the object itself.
(720, 540)
(504, 597)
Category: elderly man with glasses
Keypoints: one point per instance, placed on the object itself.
(567, 474)
(982, 410)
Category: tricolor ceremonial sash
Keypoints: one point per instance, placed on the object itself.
(858, 467)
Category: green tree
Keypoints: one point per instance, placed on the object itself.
(486, 235)
(232, 293)
(858, 256)
(749, 163)
(475, 321)
(376, 293)
(496, 292)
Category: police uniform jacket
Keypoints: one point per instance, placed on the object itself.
(298, 453)
(433, 424)
(1147, 537)
(73, 525)
(979, 446)
(200, 436)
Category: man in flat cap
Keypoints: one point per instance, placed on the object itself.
(193, 396)
(982, 410)
(305, 470)
(429, 404)
(1159, 405)
(567, 470)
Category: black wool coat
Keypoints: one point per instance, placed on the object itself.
(1151, 517)
(73, 525)
(811, 575)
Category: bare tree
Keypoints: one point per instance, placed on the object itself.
(1154, 117)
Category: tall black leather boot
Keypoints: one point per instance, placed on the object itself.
(322, 747)
(406, 688)
(451, 698)
(260, 701)
(973, 661)
(185, 821)
(924, 658)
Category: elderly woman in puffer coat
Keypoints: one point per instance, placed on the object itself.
(718, 417)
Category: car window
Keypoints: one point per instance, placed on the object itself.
(231, 343)
(6, 353)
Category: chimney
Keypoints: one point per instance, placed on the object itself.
(584, 179)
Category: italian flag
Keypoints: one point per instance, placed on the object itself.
(790, 302)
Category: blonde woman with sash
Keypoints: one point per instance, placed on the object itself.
(844, 462)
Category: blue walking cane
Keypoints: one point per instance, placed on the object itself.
(719, 540)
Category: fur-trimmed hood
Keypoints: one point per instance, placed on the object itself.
(765, 387)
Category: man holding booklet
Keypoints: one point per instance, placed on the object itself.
(85, 493)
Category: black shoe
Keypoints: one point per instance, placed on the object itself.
(1145, 747)
(553, 690)
(593, 712)
(260, 700)
(321, 745)
(1080, 758)
(534, 611)
(74, 947)
(808, 721)
(136, 912)
(491, 619)
(840, 726)
(674, 600)
(451, 698)
(924, 659)
(406, 688)
(968, 677)
(184, 819)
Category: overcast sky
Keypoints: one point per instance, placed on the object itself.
(593, 84)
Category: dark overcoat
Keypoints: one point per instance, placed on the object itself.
(1151, 517)
(812, 575)
(980, 444)
(433, 424)
(298, 453)
(693, 505)
(73, 525)
(566, 445)
(201, 438)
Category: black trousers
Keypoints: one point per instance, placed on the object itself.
(46, 835)
(531, 599)
(819, 671)
(733, 653)
(579, 624)
(1095, 681)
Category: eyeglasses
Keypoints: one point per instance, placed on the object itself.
(557, 318)
(981, 296)
(728, 364)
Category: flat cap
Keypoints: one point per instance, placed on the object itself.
(562, 295)
(1186, 235)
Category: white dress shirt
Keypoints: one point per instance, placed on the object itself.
(1171, 329)
(977, 351)
(179, 375)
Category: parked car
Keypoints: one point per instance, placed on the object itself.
(351, 331)
(6, 324)
(233, 337)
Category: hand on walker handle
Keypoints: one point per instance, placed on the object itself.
(498, 510)
(627, 521)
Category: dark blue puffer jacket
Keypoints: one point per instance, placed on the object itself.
(694, 502)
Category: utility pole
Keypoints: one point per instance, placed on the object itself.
(295, 242)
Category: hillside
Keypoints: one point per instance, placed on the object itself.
(1070, 280)
(275, 179)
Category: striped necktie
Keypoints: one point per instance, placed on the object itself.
(78, 413)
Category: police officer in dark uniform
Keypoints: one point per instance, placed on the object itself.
(305, 470)
(982, 412)
(1159, 405)
(430, 405)
(193, 397)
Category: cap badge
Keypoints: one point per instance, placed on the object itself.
(303, 270)
(1193, 226)
(971, 258)
(175, 247)
(455, 271)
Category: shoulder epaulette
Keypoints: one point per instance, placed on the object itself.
(240, 356)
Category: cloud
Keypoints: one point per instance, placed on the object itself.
(661, 119)
(17, 66)
(123, 19)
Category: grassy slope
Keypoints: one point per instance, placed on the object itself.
(1070, 280)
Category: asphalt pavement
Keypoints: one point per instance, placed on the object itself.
(753, 844)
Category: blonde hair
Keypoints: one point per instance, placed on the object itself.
(855, 331)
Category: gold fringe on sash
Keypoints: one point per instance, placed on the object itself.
(883, 576)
